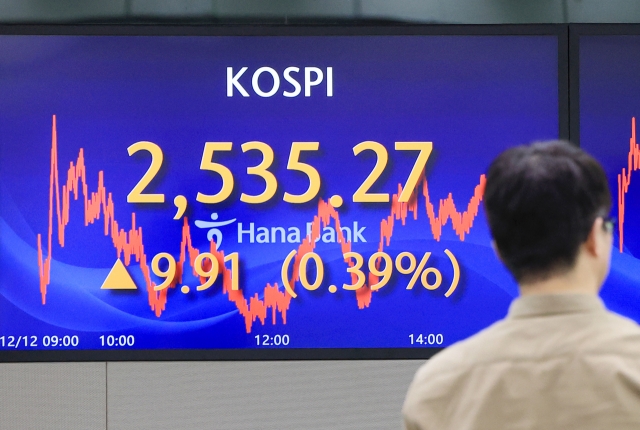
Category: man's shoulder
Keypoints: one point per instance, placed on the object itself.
(615, 334)
(621, 322)
(463, 353)
(506, 340)
(441, 373)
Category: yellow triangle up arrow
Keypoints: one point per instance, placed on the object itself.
(118, 278)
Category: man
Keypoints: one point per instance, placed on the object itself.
(559, 360)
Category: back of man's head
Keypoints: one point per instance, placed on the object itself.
(541, 202)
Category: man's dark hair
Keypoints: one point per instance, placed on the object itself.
(541, 201)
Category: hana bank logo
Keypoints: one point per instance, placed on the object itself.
(250, 233)
(214, 232)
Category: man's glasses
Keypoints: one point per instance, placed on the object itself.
(608, 223)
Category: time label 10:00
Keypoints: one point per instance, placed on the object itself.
(122, 340)
(362, 194)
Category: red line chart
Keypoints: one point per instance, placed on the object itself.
(129, 243)
(624, 179)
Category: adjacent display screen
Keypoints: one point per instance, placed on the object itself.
(259, 193)
(609, 115)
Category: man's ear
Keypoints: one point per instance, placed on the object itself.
(591, 244)
(495, 249)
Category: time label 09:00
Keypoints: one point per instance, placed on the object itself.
(36, 342)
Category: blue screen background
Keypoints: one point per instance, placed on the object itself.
(472, 96)
(609, 89)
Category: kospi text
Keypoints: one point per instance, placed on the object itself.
(295, 78)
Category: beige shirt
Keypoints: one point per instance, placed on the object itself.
(556, 362)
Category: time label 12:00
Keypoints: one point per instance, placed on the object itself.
(113, 341)
(361, 195)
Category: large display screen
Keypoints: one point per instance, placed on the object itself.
(609, 114)
(240, 195)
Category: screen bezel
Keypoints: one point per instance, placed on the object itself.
(576, 31)
(564, 132)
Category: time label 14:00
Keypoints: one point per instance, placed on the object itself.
(362, 194)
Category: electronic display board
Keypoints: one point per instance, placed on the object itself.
(258, 196)
(609, 107)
